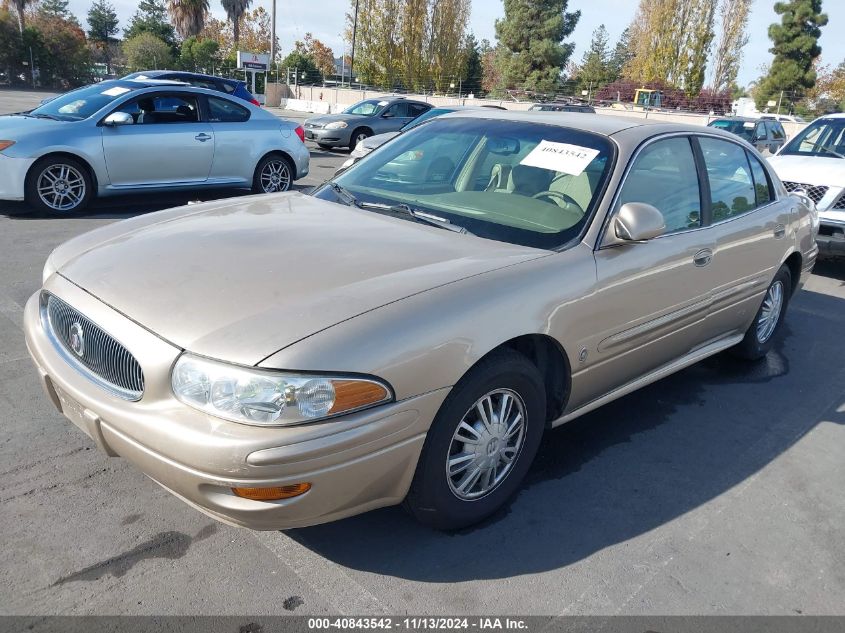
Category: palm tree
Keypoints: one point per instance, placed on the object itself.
(188, 16)
(234, 10)
(20, 6)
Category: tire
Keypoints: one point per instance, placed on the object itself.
(58, 185)
(435, 498)
(357, 136)
(761, 334)
(275, 173)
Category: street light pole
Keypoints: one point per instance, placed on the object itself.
(354, 32)
(273, 37)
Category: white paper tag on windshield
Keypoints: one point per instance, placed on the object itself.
(382, 103)
(562, 157)
(115, 92)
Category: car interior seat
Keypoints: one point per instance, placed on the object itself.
(529, 181)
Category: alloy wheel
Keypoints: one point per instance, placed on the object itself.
(770, 312)
(486, 444)
(275, 176)
(61, 187)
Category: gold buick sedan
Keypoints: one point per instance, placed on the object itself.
(406, 332)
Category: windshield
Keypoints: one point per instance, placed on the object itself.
(369, 107)
(84, 102)
(512, 181)
(745, 129)
(825, 137)
(425, 116)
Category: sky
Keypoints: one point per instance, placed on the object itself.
(325, 19)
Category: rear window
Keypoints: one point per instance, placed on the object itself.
(225, 111)
(229, 88)
(744, 129)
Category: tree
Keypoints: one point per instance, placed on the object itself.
(188, 16)
(472, 72)
(532, 34)
(11, 43)
(151, 17)
(621, 56)
(693, 59)
(199, 54)
(59, 49)
(321, 56)
(145, 51)
(234, 10)
(56, 9)
(102, 27)
(448, 19)
(20, 9)
(733, 37)
(595, 63)
(795, 45)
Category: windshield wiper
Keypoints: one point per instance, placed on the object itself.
(830, 151)
(342, 192)
(41, 115)
(420, 216)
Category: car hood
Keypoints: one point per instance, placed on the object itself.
(378, 140)
(240, 280)
(328, 118)
(12, 126)
(809, 170)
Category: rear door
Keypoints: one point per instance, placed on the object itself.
(750, 232)
(652, 298)
(169, 143)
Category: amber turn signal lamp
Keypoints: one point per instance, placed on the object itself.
(273, 494)
(354, 394)
(6, 145)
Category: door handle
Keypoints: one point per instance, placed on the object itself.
(780, 231)
(703, 257)
(203, 137)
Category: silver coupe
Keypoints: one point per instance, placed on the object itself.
(129, 136)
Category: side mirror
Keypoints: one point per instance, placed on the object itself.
(387, 115)
(638, 222)
(118, 118)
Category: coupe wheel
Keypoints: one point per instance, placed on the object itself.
(760, 336)
(481, 443)
(273, 174)
(58, 185)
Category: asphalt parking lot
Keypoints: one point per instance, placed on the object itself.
(715, 491)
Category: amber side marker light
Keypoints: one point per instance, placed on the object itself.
(273, 494)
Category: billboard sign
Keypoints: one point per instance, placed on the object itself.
(253, 61)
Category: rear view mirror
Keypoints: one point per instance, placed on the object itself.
(502, 145)
(638, 222)
(118, 118)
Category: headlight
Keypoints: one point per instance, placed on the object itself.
(336, 125)
(267, 397)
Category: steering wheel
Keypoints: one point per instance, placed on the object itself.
(557, 195)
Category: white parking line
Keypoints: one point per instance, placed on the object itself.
(326, 578)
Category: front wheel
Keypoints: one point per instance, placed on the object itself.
(273, 174)
(481, 443)
(760, 336)
(359, 136)
(58, 185)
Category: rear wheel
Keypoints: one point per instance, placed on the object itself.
(58, 185)
(760, 336)
(273, 174)
(481, 443)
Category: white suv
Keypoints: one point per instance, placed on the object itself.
(815, 161)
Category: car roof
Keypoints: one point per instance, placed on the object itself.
(152, 74)
(735, 118)
(834, 115)
(603, 124)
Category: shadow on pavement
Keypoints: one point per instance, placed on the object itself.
(625, 469)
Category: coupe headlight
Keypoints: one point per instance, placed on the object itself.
(267, 397)
(336, 125)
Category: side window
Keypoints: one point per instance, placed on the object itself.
(664, 175)
(415, 109)
(224, 111)
(397, 110)
(760, 132)
(731, 185)
(762, 186)
(158, 108)
(777, 131)
(203, 83)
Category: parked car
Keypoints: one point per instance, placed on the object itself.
(374, 142)
(233, 87)
(562, 107)
(813, 163)
(410, 329)
(362, 120)
(767, 135)
(135, 136)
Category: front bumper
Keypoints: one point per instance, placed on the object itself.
(13, 176)
(333, 138)
(831, 237)
(355, 463)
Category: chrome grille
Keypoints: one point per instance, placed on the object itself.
(91, 350)
(815, 193)
(840, 204)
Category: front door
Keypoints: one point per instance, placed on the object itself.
(652, 299)
(169, 143)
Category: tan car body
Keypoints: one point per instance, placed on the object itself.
(413, 305)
